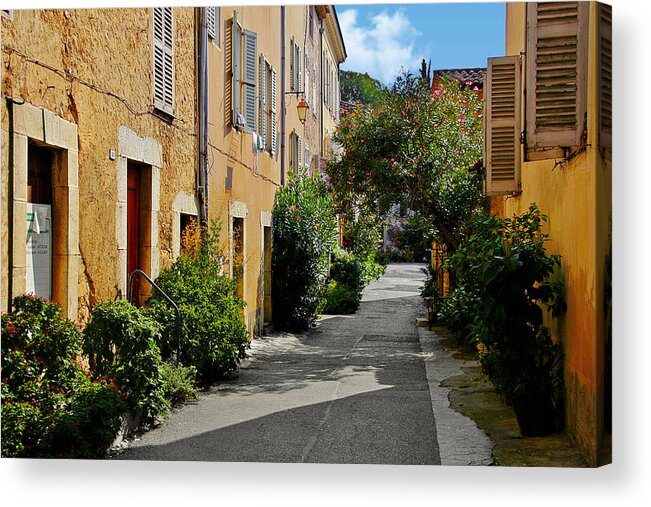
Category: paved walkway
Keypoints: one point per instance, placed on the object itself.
(358, 389)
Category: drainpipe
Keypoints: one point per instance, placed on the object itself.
(202, 106)
(282, 95)
(320, 93)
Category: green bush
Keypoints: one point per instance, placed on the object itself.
(121, 342)
(213, 337)
(457, 312)
(50, 407)
(505, 266)
(304, 233)
(179, 383)
(372, 270)
(340, 299)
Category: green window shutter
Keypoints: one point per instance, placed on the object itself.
(236, 59)
(163, 59)
(503, 125)
(273, 112)
(605, 21)
(556, 60)
(249, 74)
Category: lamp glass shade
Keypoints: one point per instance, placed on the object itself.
(302, 108)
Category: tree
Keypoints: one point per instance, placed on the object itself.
(360, 88)
(417, 149)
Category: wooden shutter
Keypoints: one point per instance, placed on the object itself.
(262, 108)
(273, 112)
(211, 22)
(292, 64)
(249, 78)
(299, 69)
(163, 59)
(236, 59)
(556, 60)
(503, 125)
(605, 21)
(306, 88)
(299, 151)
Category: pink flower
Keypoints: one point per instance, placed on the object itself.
(468, 83)
(475, 88)
(298, 219)
(362, 141)
(437, 92)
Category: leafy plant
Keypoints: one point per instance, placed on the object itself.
(505, 269)
(179, 383)
(304, 233)
(213, 336)
(50, 406)
(121, 343)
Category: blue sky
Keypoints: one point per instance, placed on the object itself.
(380, 38)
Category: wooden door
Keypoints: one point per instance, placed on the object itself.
(133, 228)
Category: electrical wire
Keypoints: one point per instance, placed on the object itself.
(132, 109)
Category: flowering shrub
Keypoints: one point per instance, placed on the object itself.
(213, 336)
(415, 149)
(304, 233)
(50, 405)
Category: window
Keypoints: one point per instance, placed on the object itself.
(314, 101)
(295, 67)
(267, 105)
(213, 23)
(243, 93)
(163, 59)
(605, 21)
(307, 78)
(295, 152)
(503, 124)
(7, 13)
(556, 64)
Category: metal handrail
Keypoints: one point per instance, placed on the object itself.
(169, 300)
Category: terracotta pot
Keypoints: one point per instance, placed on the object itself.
(535, 415)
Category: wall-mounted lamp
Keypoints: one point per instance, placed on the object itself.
(301, 107)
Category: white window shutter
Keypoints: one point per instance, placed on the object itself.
(314, 96)
(299, 58)
(605, 21)
(236, 59)
(262, 106)
(306, 89)
(503, 125)
(292, 65)
(249, 75)
(273, 111)
(163, 59)
(556, 68)
(211, 23)
(299, 151)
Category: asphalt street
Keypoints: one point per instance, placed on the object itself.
(362, 388)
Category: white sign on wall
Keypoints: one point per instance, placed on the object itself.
(39, 250)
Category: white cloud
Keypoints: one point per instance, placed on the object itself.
(381, 48)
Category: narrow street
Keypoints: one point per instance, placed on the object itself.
(357, 389)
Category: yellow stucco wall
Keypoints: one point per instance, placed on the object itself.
(253, 178)
(576, 196)
(116, 65)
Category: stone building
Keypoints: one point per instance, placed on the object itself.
(122, 126)
(99, 155)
